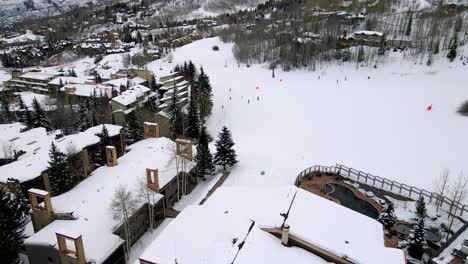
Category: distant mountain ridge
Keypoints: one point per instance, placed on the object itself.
(17, 10)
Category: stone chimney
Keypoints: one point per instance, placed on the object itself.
(71, 249)
(152, 179)
(111, 155)
(41, 208)
(151, 130)
(184, 148)
(285, 234)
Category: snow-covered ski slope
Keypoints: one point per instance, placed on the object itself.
(337, 115)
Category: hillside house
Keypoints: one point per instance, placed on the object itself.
(26, 163)
(78, 92)
(83, 214)
(59, 82)
(366, 38)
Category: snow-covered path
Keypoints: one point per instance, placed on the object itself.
(373, 120)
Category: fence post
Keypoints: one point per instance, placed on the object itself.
(410, 191)
(462, 210)
(374, 180)
(383, 182)
(391, 186)
(367, 176)
(358, 175)
(430, 198)
(401, 188)
(420, 193)
(349, 173)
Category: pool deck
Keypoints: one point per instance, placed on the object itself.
(315, 183)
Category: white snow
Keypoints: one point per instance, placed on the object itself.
(131, 95)
(90, 200)
(36, 142)
(378, 125)
(26, 37)
(87, 90)
(206, 234)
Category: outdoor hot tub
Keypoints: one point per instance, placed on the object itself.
(405, 229)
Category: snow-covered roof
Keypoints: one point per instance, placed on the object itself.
(90, 200)
(131, 95)
(204, 234)
(87, 89)
(36, 142)
(124, 81)
(369, 33)
(43, 76)
(71, 80)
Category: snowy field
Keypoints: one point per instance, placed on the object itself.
(336, 115)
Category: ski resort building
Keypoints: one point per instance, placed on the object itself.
(128, 101)
(25, 155)
(80, 226)
(31, 81)
(275, 225)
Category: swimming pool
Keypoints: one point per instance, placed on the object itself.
(348, 199)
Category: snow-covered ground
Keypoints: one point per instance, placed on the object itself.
(374, 120)
(26, 37)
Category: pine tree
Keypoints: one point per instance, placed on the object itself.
(175, 115)
(60, 175)
(134, 128)
(225, 154)
(452, 54)
(204, 96)
(421, 210)
(39, 118)
(7, 115)
(203, 158)
(387, 217)
(417, 240)
(13, 215)
(360, 57)
(21, 104)
(83, 122)
(410, 24)
(28, 118)
(104, 141)
(191, 72)
(193, 120)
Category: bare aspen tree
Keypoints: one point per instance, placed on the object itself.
(148, 195)
(457, 195)
(123, 205)
(441, 185)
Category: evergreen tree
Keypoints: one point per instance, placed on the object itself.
(387, 217)
(204, 96)
(104, 141)
(417, 240)
(27, 118)
(83, 122)
(193, 120)
(452, 54)
(21, 104)
(60, 174)
(7, 115)
(13, 216)
(39, 118)
(225, 154)
(191, 72)
(360, 57)
(421, 210)
(410, 24)
(175, 114)
(203, 158)
(134, 131)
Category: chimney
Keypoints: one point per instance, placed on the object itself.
(41, 208)
(111, 154)
(152, 179)
(285, 234)
(71, 248)
(184, 148)
(151, 130)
